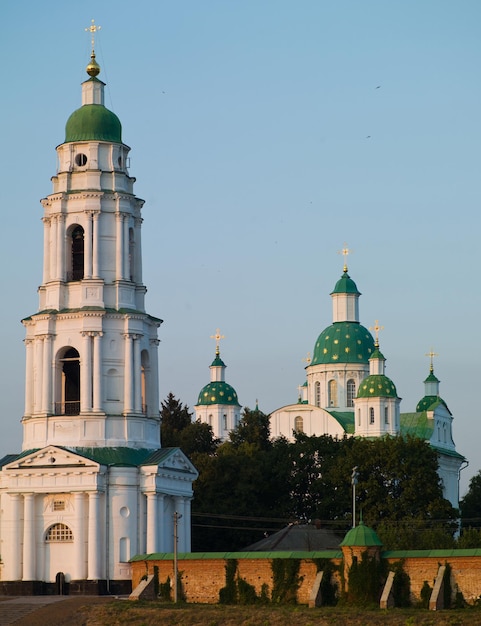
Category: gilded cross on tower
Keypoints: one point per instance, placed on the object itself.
(345, 253)
(217, 338)
(431, 354)
(376, 328)
(92, 29)
(307, 359)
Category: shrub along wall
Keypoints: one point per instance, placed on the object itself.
(203, 575)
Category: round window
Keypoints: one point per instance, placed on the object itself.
(80, 159)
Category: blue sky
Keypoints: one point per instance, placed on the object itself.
(261, 143)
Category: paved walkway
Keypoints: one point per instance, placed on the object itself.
(15, 608)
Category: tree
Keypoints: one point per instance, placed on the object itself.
(253, 429)
(470, 505)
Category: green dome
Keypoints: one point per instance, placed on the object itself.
(427, 402)
(377, 386)
(346, 285)
(217, 362)
(361, 536)
(218, 393)
(93, 122)
(343, 342)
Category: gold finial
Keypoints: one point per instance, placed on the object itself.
(376, 328)
(217, 338)
(345, 253)
(93, 68)
(307, 359)
(431, 354)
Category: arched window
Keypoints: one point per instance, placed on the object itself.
(317, 391)
(386, 415)
(298, 424)
(351, 392)
(58, 533)
(209, 420)
(69, 387)
(359, 417)
(332, 391)
(77, 272)
(124, 549)
(224, 421)
(371, 415)
(144, 379)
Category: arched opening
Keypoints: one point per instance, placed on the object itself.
(317, 394)
(58, 533)
(76, 260)
(298, 424)
(351, 392)
(69, 387)
(332, 392)
(144, 380)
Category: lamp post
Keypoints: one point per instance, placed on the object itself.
(177, 517)
(354, 479)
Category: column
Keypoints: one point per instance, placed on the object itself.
(15, 572)
(38, 374)
(29, 547)
(128, 374)
(96, 244)
(187, 524)
(153, 401)
(79, 569)
(46, 249)
(138, 251)
(179, 507)
(126, 264)
(88, 245)
(46, 378)
(119, 248)
(152, 517)
(137, 375)
(61, 235)
(161, 539)
(95, 548)
(53, 247)
(86, 374)
(97, 372)
(29, 346)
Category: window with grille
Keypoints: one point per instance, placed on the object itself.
(371, 415)
(58, 533)
(351, 392)
(59, 505)
(317, 399)
(298, 424)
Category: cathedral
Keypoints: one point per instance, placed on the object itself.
(92, 486)
(347, 392)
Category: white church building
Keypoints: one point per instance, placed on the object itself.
(348, 393)
(92, 486)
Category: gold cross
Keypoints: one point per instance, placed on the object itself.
(307, 359)
(345, 253)
(431, 354)
(93, 28)
(217, 338)
(376, 328)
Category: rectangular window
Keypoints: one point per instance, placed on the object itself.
(59, 505)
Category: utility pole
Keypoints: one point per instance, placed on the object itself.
(354, 479)
(177, 517)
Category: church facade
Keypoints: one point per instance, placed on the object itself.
(92, 486)
(347, 392)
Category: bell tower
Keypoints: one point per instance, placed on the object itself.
(91, 366)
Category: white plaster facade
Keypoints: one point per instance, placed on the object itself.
(92, 487)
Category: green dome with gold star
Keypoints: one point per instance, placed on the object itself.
(218, 392)
(343, 342)
(377, 386)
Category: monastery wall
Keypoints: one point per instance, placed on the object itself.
(203, 578)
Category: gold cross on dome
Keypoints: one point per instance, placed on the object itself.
(345, 253)
(376, 328)
(217, 338)
(307, 359)
(92, 29)
(431, 354)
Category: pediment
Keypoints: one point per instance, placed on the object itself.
(51, 457)
(171, 460)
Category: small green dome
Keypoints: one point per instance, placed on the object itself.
(377, 386)
(93, 122)
(217, 362)
(346, 285)
(343, 342)
(361, 536)
(218, 392)
(427, 402)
